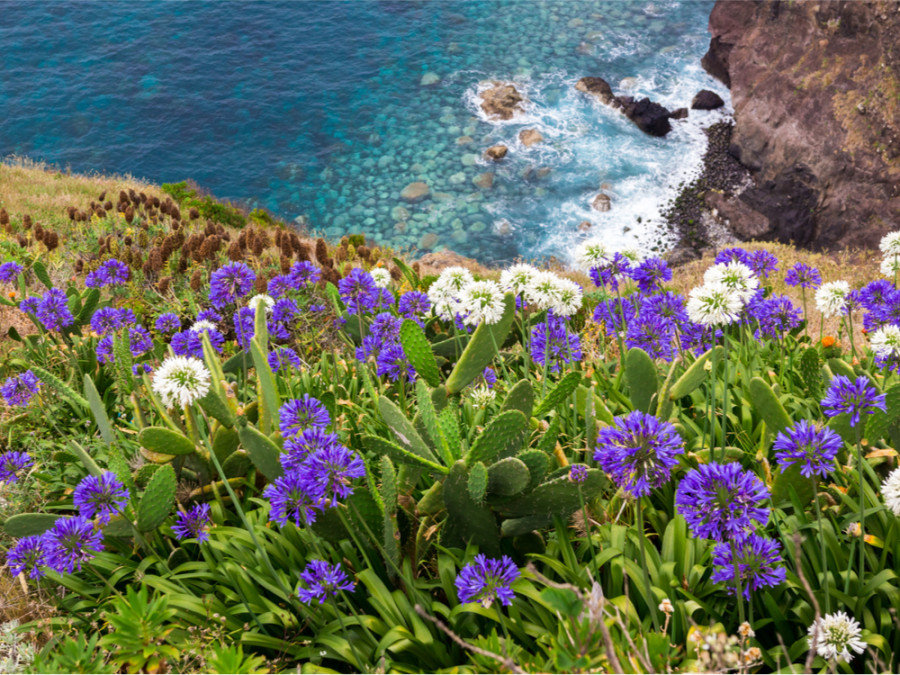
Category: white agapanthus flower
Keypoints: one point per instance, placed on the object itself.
(204, 325)
(262, 299)
(544, 291)
(482, 396)
(831, 298)
(736, 276)
(517, 278)
(381, 277)
(455, 279)
(632, 254)
(890, 266)
(444, 293)
(836, 635)
(181, 380)
(885, 341)
(890, 490)
(482, 301)
(713, 304)
(890, 244)
(591, 253)
(568, 299)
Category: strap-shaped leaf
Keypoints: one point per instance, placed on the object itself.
(382, 447)
(98, 410)
(268, 392)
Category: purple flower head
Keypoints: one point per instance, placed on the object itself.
(854, 398)
(371, 344)
(70, 542)
(304, 273)
(279, 286)
(804, 276)
(617, 269)
(210, 315)
(332, 470)
(393, 364)
(667, 306)
(758, 561)
(104, 350)
(875, 293)
(651, 274)
(578, 473)
(110, 273)
(11, 463)
(188, 343)
(653, 334)
(815, 449)
(358, 291)
(30, 305)
(552, 340)
(283, 359)
(776, 316)
(323, 581)
(107, 320)
(309, 441)
(721, 501)
(29, 555)
(53, 310)
(244, 327)
(291, 499)
(639, 451)
(9, 271)
(486, 580)
(193, 523)
(386, 327)
(316, 308)
(888, 312)
(611, 313)
(382, 298)
(139, 341)
(733, 255)
(20, 389)
(285, 311)
(298, 414)
(101, 496)
(762, 263)
(489, 377)
(414, 304)
(229, 283)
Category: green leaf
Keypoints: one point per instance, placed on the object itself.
(86, 459)
(696, 375)
(481, 349)
(29, 524)
(562, 600)
(263, 451)
(268, 392)
(430, 420)
(467, 521)
(792, 479)
(40, 271)
(563, 389)
(558, 497)
(217, 408)
(98, 410)
(165, 441)
(90, 301)
(642, 378)
(418, 351)
(158, 499)
(503, 436)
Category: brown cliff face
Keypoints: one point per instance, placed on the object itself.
(816, 93)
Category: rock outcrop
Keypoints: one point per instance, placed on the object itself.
(649, 116)
(502, 101)
(816, 93)
(529, 137)
(496, 152)
(706, 100)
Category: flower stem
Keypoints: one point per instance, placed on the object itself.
(737, 582)
(825, 575)
(725, 390)
(862, 516)
(639, 517)
(587, 528)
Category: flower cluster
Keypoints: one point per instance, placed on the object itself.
(855, 398)
(9, 271)
(230, 283)
(100, 496)
(752, 563)
(323, 581)
(486, 580)
(63, 548)
(813, 448)
(110, 273)
(20, 389)
(11, 463)
(193, 523)
(553, 344)
(51, 309)
(835, 635)
(181, 381)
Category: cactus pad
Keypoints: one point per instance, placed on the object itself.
(563, 389)
(503, 436)
(557, 497)
(164, 441)
(158, 498)
(467, 522)
(508, 477)
(418, 351)
(477, 483)
(403, 429)
(521, 398)
(642, 378)
(768, 405)
(264, 452)
(481, 349)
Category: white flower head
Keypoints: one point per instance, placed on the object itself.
(736, 276)
(890, 490)
(890, 266)
(262, 299)
(713, 304)
(181, 380)
(482, 301)
(455, 279)
(204, 325)
(445, 292)
(591, 253)
(482, 396)
(632, 254)
(835, 635)
(544, 291)
(381, 277)
(568, 300)
(517, 278)
(745, 631)
(831, 298)
(885, 341)
(890, 244)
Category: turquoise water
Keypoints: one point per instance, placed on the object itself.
(317, 110)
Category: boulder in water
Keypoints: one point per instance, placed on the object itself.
(496, 152)
(428, 241)
(601, 202)
(502, 100)
(650, 117)
(415, 192)
(485, 180)
(429, 79)
(598, 87)
(707, 100)
(529, 137)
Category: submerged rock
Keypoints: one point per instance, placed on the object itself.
(707, 100)
(415, 192)
(501, 101)
(428, 241)
(530, 137)
(484, 180)
(601, 202)
(429, 79)
(496, 152)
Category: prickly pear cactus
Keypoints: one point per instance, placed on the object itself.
(477, 484)
(811, 371)
(28, 524)
(696, 375)
(143, 475)
(481, 349)
(563, 389)
(508, 477)
(537, 462)
(263, 451)
(521, 398)
(406, 434)
(418, 351)
(642, 378)
(164, 441)
(503, 436)
(381, 446)
(558, 497)
(467, 521)
(158, 499)
(768, 405)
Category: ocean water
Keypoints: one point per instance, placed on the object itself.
(317, 110)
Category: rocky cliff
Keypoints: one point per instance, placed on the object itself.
(816, 94)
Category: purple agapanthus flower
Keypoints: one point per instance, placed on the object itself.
(854, 398)
(110, 273)
(759, 564)
(578, 473)
(291, 499)
(102, 496)
(53, 310)
(30, 305)
(413, 305)
(139, 341)
(651, 274)
(332, 470)
(653, 334)
(20, 389)
(776, 316)
(323, 581)
(280, 285)
(392, 363)
(552, 341)
(104, 350)
(875, 293)
(297, 449)
(190, 342)
(11, 463)
(386, 327)
(639, 451)
(668, 306)
(304, 273)
(611, 314)
(357, 291)
(28, 555)
(735, 254)
(489, 377)
(618, 268)
(210, 315)
(285, 311)
(762, 263)
(301, 413)
(283, 359)
(70, 542)
(9, 271)
(722, 501)
(804, 276)
(244, 327)
(107, 320)
(813, 448)
(486, 580)
(229, 283)
(193, 523)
